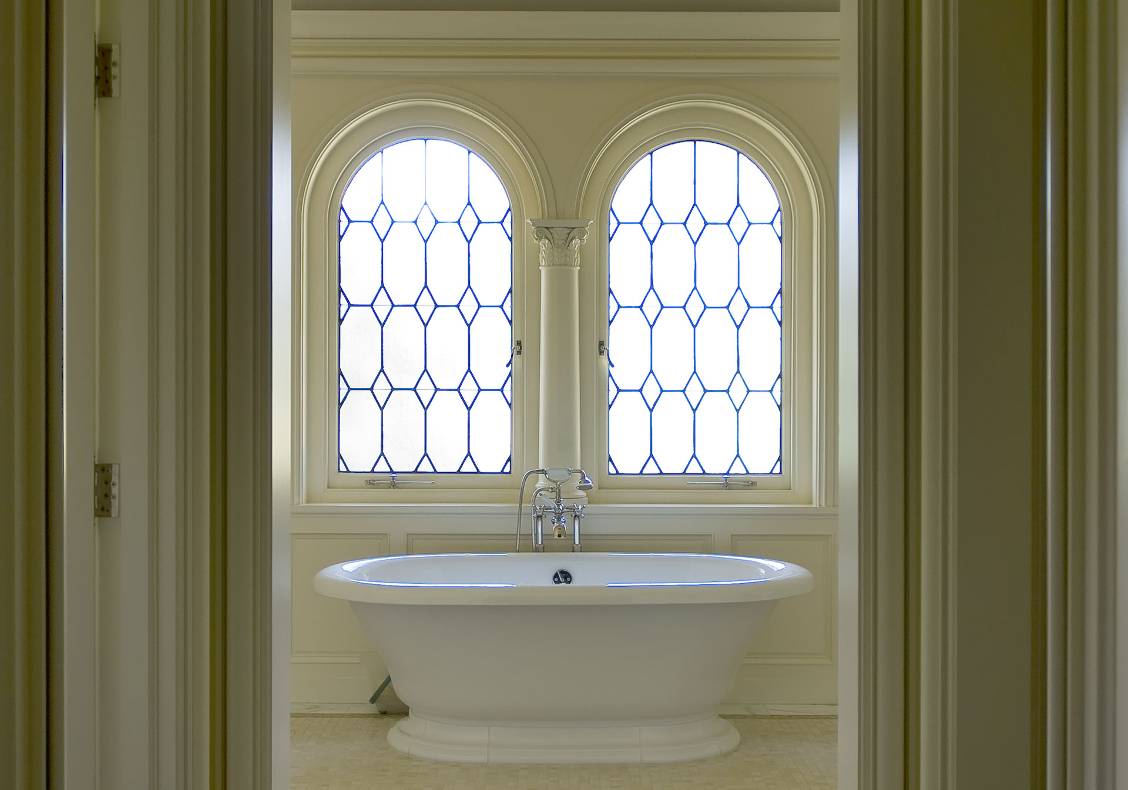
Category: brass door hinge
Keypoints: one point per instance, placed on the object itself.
(106, 490)
(107, 81)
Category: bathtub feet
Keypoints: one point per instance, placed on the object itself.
(691, 738)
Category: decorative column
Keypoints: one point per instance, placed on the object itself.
(560, 241)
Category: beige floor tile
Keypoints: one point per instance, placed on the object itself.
(352, 753)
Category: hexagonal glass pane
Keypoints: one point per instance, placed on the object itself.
(715, 433)
(630, 265)
(448, 179)
(759, 429)
(628, 433)
(403, 347)
(448, 430)
(490, 432)
(761, 265)
(716, 266)
(490, 351)
(714, 263)
(673, 336)
(360, 431)
(716, 349)
(673, 433)
(761, 349)
(629, 348)
(447, 350)
(411, 366)
(489, 265)
(715, 173)
(403, 263)
(403, 431)
(404, 174)
(673, 265)
(448, 257)
(360, 340)
(360, 263)
(672, 181)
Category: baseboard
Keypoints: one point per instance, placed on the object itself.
(333, 709)
(778, 709)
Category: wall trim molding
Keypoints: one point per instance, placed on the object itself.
(727, 709)
(452, 509)
(567, 26)
(626, 43)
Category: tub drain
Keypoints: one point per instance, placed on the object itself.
(562, 577)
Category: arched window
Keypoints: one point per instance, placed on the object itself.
(695, 315)
(425, 332)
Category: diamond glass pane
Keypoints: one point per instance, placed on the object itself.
(425, 259)
(695, 273)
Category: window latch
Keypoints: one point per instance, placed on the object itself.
(603, 352)
(726, 482)
(393, 481)
(516, 351)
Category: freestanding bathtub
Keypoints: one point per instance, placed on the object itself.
(563, 658)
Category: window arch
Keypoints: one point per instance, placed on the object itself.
(425, 282)
(695, 315)
(441, 185)
(735, 344)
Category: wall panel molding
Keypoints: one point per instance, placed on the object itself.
(802, 612)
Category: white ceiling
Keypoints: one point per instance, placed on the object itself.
(568, 5)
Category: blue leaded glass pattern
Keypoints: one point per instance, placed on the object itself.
(695, 310)
(426, 307)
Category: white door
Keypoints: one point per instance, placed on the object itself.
(131, 156)
(73, 542)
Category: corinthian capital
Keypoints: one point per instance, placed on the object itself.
(560, 240)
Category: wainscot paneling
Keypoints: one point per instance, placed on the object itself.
(331, 662)
(425, 543)
(326, 626)
(801, 629)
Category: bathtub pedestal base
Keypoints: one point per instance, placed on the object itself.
(691, 738)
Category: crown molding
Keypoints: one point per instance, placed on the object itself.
(620, 43)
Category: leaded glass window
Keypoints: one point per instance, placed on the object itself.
(426, 307)
(695, 343)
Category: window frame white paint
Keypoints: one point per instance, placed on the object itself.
(809, 446)
(343, 43)
(314, 448)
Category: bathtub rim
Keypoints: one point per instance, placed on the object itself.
(335, 581)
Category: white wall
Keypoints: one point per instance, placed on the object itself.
(565, 108)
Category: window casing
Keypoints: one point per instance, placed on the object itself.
(319, 477)
(807, 444)
(808, 447)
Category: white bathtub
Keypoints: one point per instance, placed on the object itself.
(625, 664)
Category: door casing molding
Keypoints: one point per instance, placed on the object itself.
(902, 688)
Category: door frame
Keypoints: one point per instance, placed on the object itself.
(234, 57)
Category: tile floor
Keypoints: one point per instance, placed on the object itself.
(351, 752)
